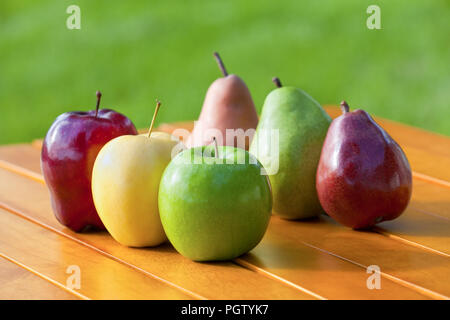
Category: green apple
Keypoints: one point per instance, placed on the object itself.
(214, 204)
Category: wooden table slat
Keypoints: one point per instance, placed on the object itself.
(420, 229)
(431, 198)
(50, 254)
(38, 208)
(17, 283)
(407, 264)
(212, 281)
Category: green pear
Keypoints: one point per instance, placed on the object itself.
(288, 142)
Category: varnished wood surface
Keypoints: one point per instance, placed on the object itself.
(187, 273)
(50, 255)
(216, 280)
(17, 283)
(314, 259)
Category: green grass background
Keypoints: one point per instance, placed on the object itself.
(136, 51)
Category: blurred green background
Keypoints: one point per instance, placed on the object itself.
(136, 51)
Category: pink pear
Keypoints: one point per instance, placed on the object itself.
(228, 113)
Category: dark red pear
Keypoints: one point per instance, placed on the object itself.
(363, 176)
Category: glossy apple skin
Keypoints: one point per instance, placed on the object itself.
(363, 176)
(212, 211)
(67, 158)
(125, 190)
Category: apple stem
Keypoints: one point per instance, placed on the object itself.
(220, 63)
(158, 104)
(99, 96)
(344, 107)
(277, 82)
(216, 148)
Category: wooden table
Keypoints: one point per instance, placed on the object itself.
(316, 259)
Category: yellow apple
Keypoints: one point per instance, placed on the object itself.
(125, 184)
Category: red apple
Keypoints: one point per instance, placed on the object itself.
(68, 154)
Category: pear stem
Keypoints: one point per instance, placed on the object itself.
(277, 82)
(220, 63)
(216, 148)
(99, 96)
(344, 107)
(158, 104)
